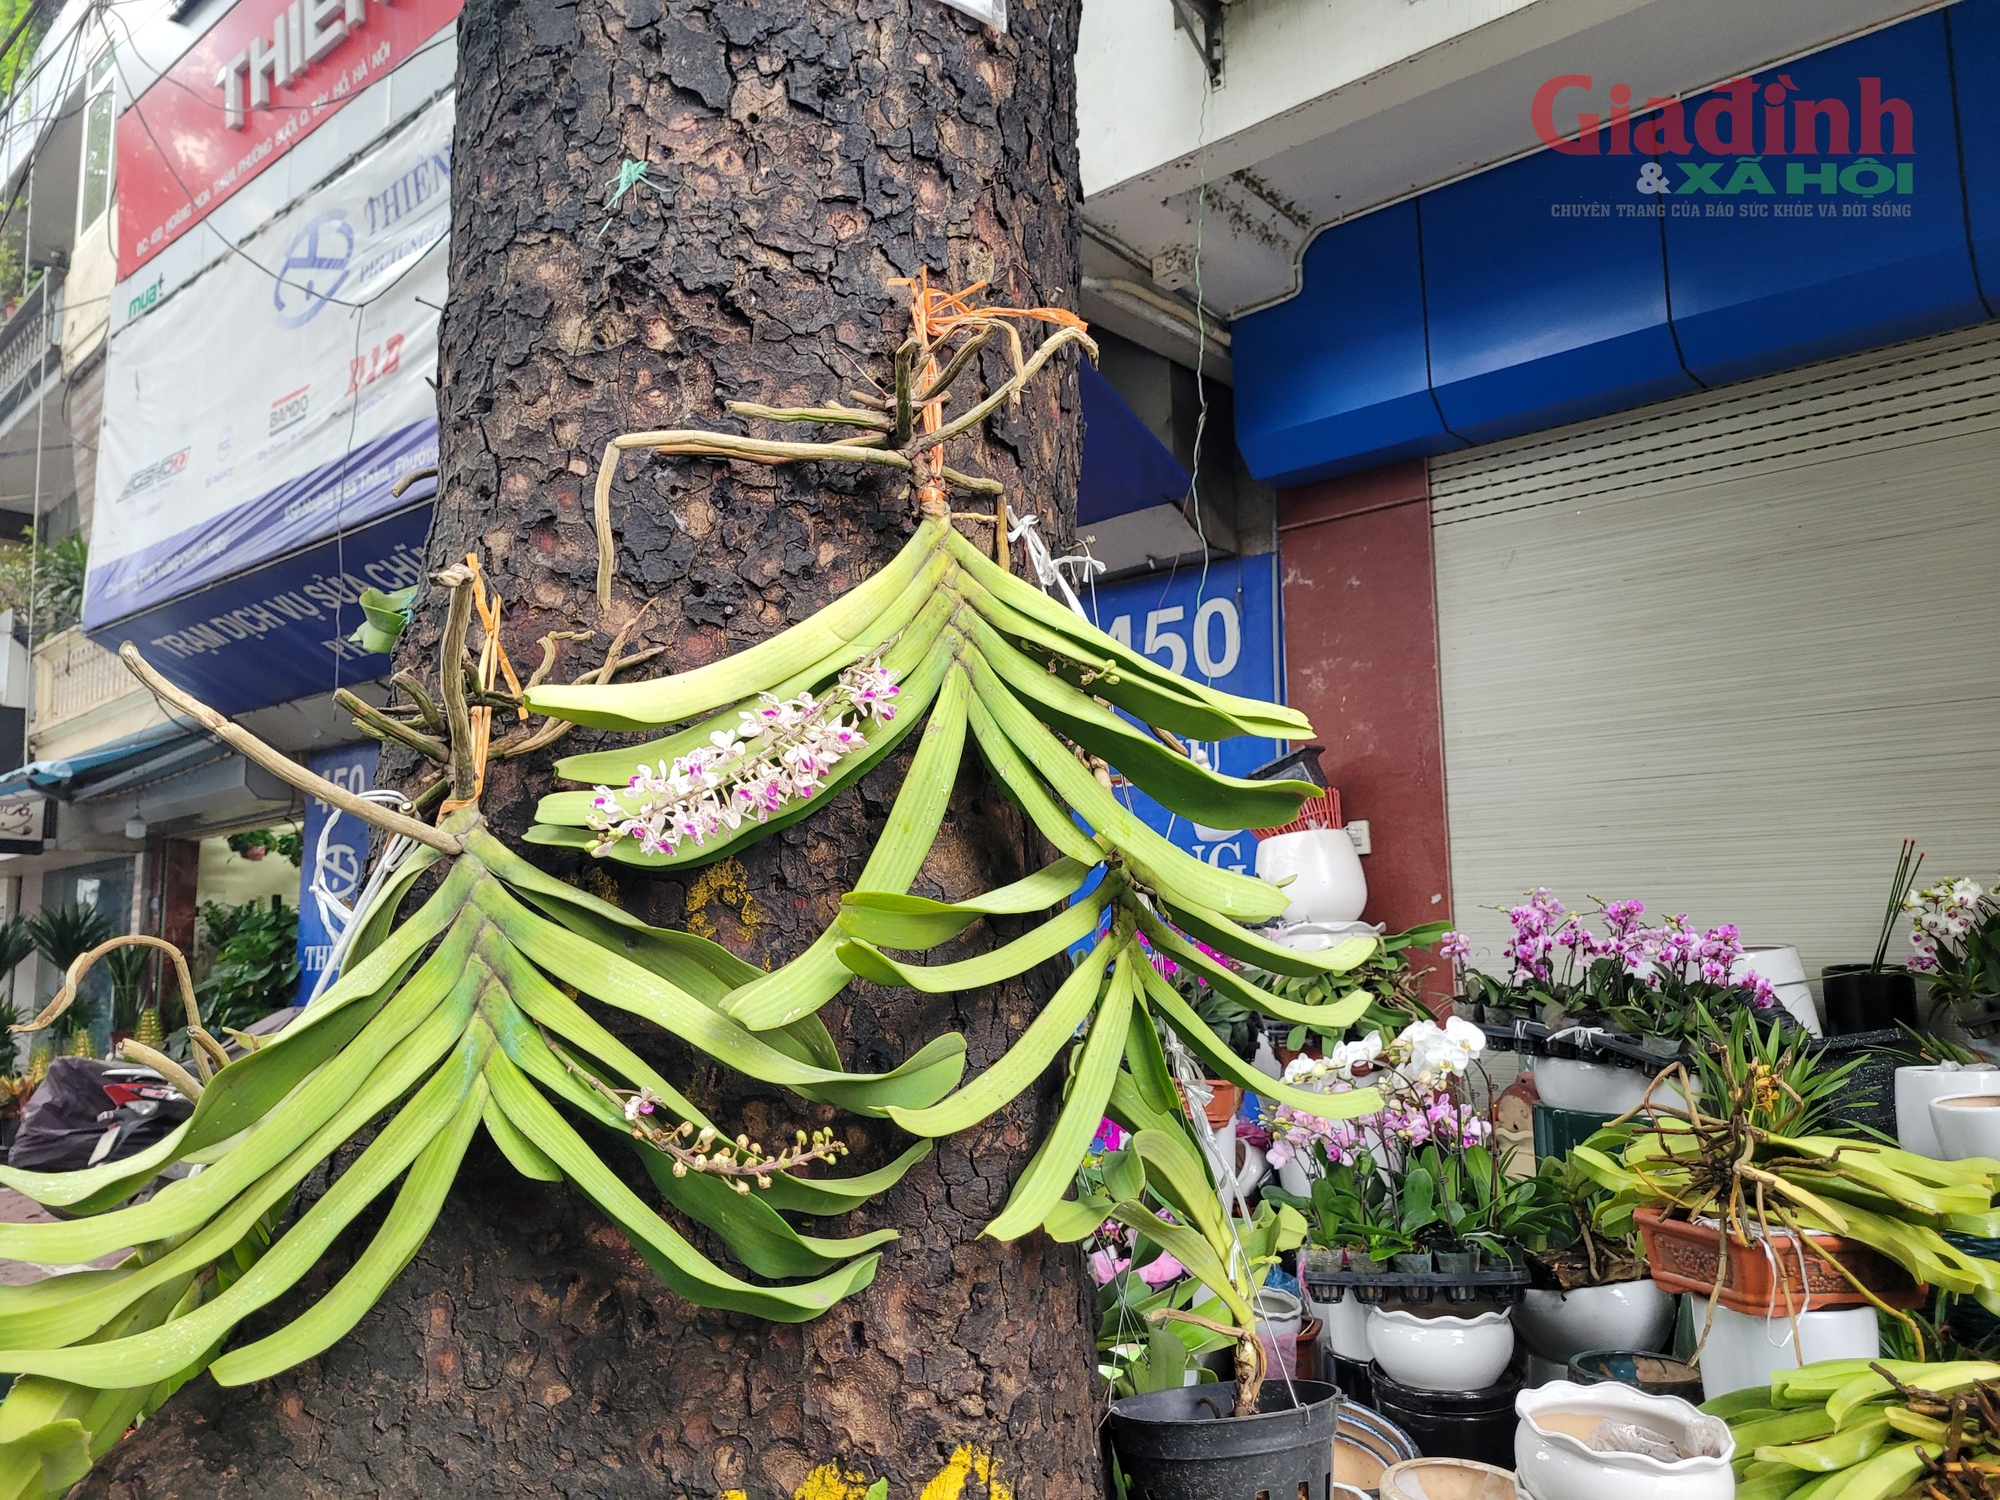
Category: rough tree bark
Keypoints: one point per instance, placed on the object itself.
(798, 156)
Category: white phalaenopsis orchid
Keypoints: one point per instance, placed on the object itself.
(782, 751)
(1430, 1051)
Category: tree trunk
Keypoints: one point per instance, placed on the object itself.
(797, 156)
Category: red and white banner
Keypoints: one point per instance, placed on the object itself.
(261, 80)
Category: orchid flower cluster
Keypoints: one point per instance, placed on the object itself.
(1955, 941)
(1944, 915)
(783, 750)
(1417, 1072)
(1647, 977)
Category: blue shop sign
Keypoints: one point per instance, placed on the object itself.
(338, 858)
(279, 631)
(1220, 628)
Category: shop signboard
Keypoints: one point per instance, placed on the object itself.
(1219, 627)
(335, 858)
(263, 77)
(256, 423)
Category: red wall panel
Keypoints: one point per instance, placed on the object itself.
(1361, 661)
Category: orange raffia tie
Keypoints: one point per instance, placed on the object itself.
(493, 661)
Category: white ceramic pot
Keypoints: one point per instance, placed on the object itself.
(1572, 1083)
(1344, 1326)
(1440, 1352)
(1327, 884)
(1633, 1316)
(1295, 1179)
(1552, 1463)
(1966, 1123)
(1917, 1086)
(1787, 975)
(1743, 1349)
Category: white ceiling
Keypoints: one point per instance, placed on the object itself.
(1412, 94)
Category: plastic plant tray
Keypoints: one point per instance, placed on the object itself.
(1373, 1287)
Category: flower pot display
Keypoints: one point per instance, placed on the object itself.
(1183, 1444)
(1966, 1124)
(1428, 1351)
(1916, 1087)
(1744, 1349)
(1326, 883)
(1557, 1452)
(1862, 999)
(1684, 1257)
(1631, 1315)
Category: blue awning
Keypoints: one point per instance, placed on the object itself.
(57, 776)
(1125, 468)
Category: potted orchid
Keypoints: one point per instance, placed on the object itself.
(1955, 947)
(1417, 1180)
(1644, 981)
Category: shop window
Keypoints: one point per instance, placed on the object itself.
(94, 195)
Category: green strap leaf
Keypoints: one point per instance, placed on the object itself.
(522, 1154)
(164, 1351)
(826, 1197)
(1151, 855)
(816, 976)
(668, 700)
(923, 1080)
(342, 1096)
(1173, 780)
(1076, 1219)
(756, 1236)
(678, 1263)
(1224, 1063)
(1034, 947)
(1191, 1250)
(1026, 1060)
(1024, 786)
(396, 1243)
(1270, 720)
(1225, 936)
(904, 623)
(1155, 697)
(915, 924)
(1053, 1168)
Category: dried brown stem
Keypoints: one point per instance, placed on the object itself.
(426, 706)
(464, 770)
(288, 771)
(959, 361)
(834, 414)
(371, 721)
(994, 401)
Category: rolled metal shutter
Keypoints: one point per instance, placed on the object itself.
(1721, 653)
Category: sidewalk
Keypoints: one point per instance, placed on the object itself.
(16, 1209)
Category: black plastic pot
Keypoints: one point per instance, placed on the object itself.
(1183, 1444)
(1452, 1424)
(1860, 999)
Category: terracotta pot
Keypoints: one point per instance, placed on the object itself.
(1684, 1257)
(1222, 1104)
